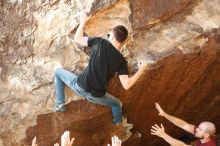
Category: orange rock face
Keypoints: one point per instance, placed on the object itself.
(146, 13)
(182, 37)
(81, 119)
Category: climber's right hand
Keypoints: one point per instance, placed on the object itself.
(142, 65)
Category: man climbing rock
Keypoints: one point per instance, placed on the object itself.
(104, 62)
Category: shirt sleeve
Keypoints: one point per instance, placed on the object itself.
(123, 68)
(93, 41)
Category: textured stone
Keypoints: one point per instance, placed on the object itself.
(36, 38)
(87, 121)
(146, 13)
(186, 85)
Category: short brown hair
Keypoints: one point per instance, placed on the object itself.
(120, 33)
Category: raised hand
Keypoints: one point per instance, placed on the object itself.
(65, 139)
(115, 141)
(34, 142)
(142, 64)
(156, 130)
(83, 17)
(160, 110)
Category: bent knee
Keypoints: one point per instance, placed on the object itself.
(58, 70)
(118, 104)
(121, 104)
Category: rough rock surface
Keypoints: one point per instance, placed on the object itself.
(181, 36)
(81, 122)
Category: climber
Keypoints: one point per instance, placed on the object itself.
(104, 62)
(205, 131)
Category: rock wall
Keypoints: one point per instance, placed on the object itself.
(181, 36)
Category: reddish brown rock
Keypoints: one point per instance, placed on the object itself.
(145, 13)
(50, 126)
(90, 124)
(36, 38)
(187, 86)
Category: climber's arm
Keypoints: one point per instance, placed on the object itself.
(79, 38)
(128, 82)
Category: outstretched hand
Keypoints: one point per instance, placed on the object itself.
(160, 110)
(115, 141)
(65, 139)
(156, 130)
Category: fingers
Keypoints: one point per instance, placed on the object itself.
(160, 110)
(153, 132)
(67, 135)
(63, 136)
(116, 141)
(161, 126)
(156, 125)
(65, 139)
(157, 106)
(142, 63)
(72, 140)
(34, 141)
(56, 144)
(89, 17)
(84, 17)
(155, 128)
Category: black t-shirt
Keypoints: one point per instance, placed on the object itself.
(105, 60)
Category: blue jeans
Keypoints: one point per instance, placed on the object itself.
(63, 77)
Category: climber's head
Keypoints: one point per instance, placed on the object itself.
(118, 35)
